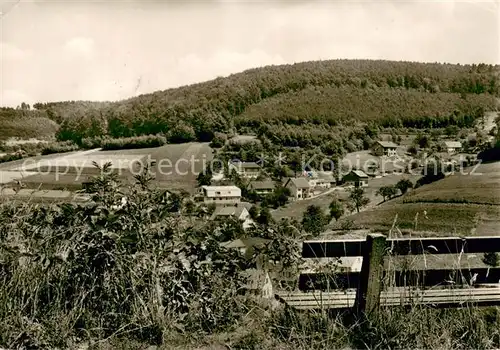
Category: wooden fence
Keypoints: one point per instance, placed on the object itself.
(368, 289)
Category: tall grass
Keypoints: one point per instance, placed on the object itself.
(138, 271)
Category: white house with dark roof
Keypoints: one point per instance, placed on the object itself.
(262, 187)
(240, 213)
(246, 169)
(453, 146)
(299, 188)
(322, 180)
(220, 194)
(384, 148)
(356, 178)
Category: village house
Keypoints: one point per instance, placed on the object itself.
(240, 213)
(453, 146)
(384, 148)
(246, 245)
(299, 188)
(322, 181)
(262, 188)
(225, 195)
(356, 178)
(245, 169)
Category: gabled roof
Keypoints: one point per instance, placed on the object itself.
(359, 173)
(228, 211)
(245, 242)
(262, 185)
(299, 182)
(453, 144)
(221, 188)
(245, 165)
(325, 176)
(387, 144)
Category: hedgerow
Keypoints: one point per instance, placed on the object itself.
(109, 143)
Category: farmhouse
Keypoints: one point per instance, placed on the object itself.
(246, 169)
(262, 187)
(322, 181)
(299, 187)
(220, 194)
(384, 148)
(239, 213)
(356, 178)
(246, 245)
(453, 146)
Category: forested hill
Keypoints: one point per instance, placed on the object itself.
(319, 94)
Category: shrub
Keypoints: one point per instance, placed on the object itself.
(92, 142)
(219, 140)
(314, 220)
(146, 141)
(404, 185)
(387, 192)
(11, 157)
(110, 266)
(181, 133)
(109, 143)
(60, 147)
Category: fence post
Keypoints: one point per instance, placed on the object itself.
(370, 282)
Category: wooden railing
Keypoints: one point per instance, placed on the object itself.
(377, 285)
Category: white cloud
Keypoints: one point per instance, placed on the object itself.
(194, 68)
(13, 98)
(11, 52)
(83, 46)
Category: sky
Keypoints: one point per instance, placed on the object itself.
(112, 50)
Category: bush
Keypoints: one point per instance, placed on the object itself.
(92, 142)
(109, 143)
(111, 266)
(60, 147)
(147, 141)
(219, 140)
(13, 156)
(181, 133)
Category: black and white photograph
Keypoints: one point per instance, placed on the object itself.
(249, 174)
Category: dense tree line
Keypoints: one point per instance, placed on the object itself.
(334, 106)
(341, 91)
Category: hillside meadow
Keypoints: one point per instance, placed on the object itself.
(176, 167)
(460, 204)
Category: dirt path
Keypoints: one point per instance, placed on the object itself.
(489, 121)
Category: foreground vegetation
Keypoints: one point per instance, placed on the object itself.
(145, 271)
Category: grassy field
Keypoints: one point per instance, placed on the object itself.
(297, 208)
(177, 166)
(52, 181)
(476, 186)
(457, 205)
(426, 218)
